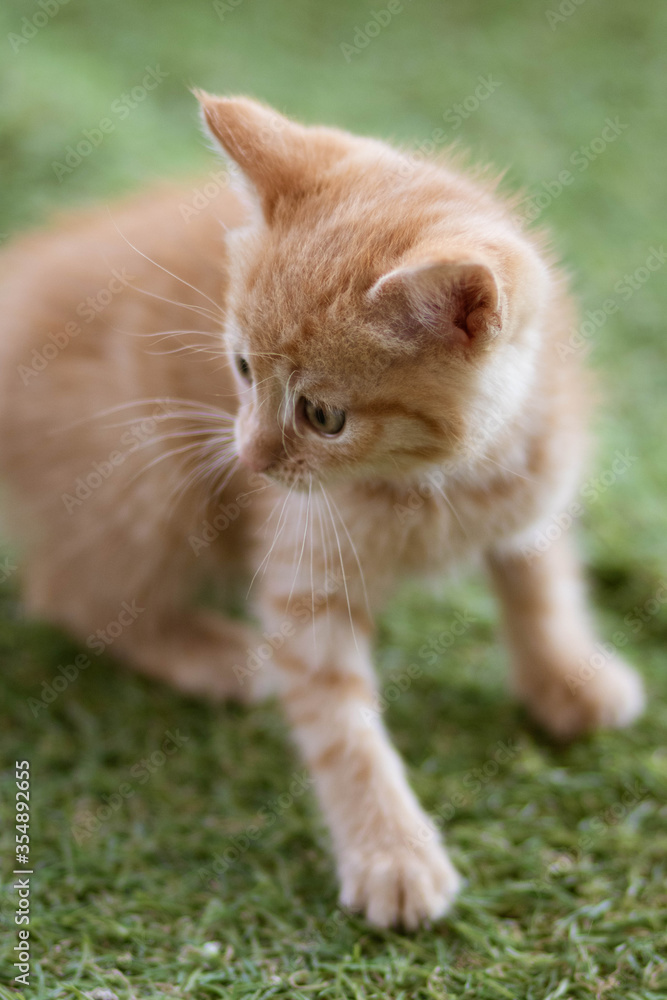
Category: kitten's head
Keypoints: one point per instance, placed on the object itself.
(382, 310)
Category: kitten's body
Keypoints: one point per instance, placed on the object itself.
(463, 434)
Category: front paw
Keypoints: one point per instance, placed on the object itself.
(598, 691)
(400, 884)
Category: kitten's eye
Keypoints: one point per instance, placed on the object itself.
(244, 369)
(324, 420)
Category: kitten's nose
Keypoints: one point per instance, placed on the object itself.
(256, 457)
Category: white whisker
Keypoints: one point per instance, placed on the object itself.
(356, 555)
(276, 536)
(187, 484)
(202, 311)
(303, 545)
(171, 274)
(451, 507)
(169, 454)
(342, 566)
(312, 581)
(510, 472)
(149, 401)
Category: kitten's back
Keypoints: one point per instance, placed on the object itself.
(81, 303)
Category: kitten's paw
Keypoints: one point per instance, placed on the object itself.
(400, 886)
(608, 695)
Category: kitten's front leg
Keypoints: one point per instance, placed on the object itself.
(391, 863)
(570, 681)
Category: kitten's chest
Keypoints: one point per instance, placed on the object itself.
(429, 526)
(361, 541)
(419, 530)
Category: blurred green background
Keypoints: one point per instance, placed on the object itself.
(125, 912)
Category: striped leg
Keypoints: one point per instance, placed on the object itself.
(391, 863)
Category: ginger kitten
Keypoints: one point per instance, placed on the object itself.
(257, 388)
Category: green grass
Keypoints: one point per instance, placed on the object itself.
(564, 850)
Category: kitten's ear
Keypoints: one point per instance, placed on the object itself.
(277, 156)
(455, 299)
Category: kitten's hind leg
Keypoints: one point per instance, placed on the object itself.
(197, 652)
(136, 608)
(570, 681)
